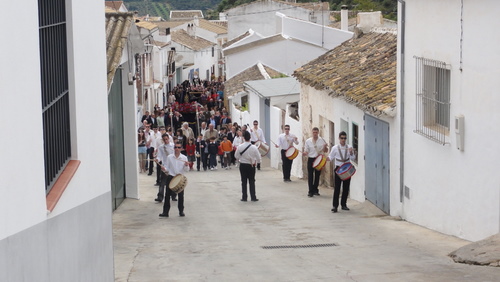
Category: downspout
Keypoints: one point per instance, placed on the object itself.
(402, 104)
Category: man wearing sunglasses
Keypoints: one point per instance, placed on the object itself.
(176, 163)
(340, 154)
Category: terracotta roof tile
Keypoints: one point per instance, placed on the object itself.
(194, 43)
(362, 70)
(234, 40)
(185, 14)
(235, 84)
(117, 29)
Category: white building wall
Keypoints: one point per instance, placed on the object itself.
(284, 56)
(260, 16)
(451, 191)
(204, 61)
(74, 242)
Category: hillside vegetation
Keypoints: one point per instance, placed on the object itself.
(211, 8)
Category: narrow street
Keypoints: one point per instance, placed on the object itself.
(285, 236)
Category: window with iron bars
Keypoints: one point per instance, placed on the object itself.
(55, 93)
(432, 99)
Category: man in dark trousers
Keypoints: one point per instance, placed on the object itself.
(248, 155)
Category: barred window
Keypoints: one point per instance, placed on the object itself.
(55, 93)
(432, 99)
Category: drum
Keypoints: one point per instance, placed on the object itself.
(178, 183)
(291, 153)
(319, 162)
(263, 148)
(346, 171)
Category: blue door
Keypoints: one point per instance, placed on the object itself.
(377, 162)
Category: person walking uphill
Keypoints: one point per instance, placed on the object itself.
(248, 156)
(314, 146)
(340, 154)
(176, 164)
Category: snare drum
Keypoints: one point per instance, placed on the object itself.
(291, 153)
(178, 183)
(319, 162)
(346, 171)
(263, 148)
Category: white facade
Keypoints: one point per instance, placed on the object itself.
(74, 241)
(296, 43)
(259, 16)
(452, 191)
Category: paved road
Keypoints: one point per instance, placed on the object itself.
(223, 239)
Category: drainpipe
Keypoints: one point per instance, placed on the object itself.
(402, 108)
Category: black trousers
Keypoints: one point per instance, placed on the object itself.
(151, 151)
(170, 193)
(345, 190)
(158, 173)
(312, 176)
(247, 172)
(287, 165)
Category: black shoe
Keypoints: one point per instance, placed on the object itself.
(157, 184)
(310, 195)
(255, 200)
(163, 214)
(317, 194)
(334, 210)
(150, 173)
(345, 208)
(181, 214)
(158, 200)
(174, 199)
(243, 200)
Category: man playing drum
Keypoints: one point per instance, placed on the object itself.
(285, 142)
(256, 135)
(341, 153)
(163, 151)
(247, 155)
(313, 149)
(176, 164)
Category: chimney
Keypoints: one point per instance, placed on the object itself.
(344, 18)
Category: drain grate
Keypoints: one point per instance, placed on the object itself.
(299, 246)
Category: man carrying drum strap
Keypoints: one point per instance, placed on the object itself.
(313, 147)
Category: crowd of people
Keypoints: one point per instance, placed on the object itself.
(211, 141)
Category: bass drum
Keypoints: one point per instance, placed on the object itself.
(346, 171)
(291, 153)
(178, 183)
(263, 148)
(319, 162)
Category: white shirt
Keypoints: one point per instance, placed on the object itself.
(176, 165)
(164, 151)
(250, 156)
(257, 135)
(148, 136)
(341, 157)
(286, 141)
(238, 141)
(156, 139)
(313, 149)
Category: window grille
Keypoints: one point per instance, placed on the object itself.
(54, 83)
(432, 99)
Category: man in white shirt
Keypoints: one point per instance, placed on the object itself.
(286, 141)
(163, 151)
(257, 134)
(313, 147)
(176, 163)
(341, 154)
(248, 155)
(157, 141)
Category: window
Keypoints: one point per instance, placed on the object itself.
(244, 103)
(55, 93)
(213, 51)
(432, 99)
(293, 110)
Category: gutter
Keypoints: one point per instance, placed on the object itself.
(402, 104)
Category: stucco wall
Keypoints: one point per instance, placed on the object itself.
(61, 244)
(451, 191)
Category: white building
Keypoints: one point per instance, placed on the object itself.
(274, 103)
(194, 56)
(56, 216)
(352, 88)
(448, 96)
(295, 43)
(260, 16)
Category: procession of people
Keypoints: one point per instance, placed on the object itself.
(177, 145)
